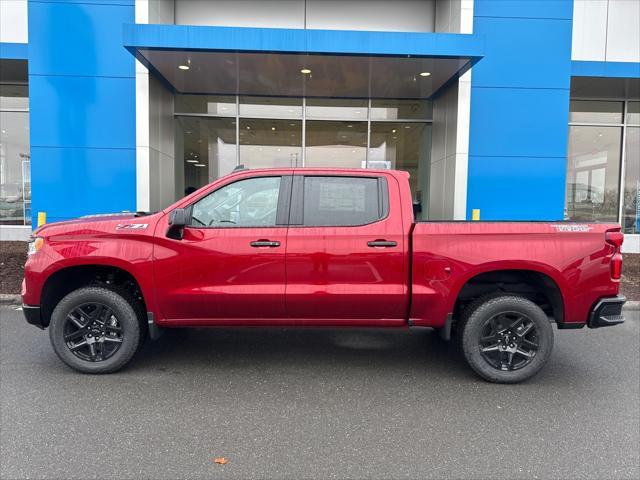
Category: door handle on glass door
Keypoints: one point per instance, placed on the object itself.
(382, 243)
(264, 243)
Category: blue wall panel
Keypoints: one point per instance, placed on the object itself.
(520, 109)
(82, 181)
(519, 122)
(519, 187)
(605, 69)
(14, 51)
(544, 9)
(523, 56)
(80, 39)
(82, 96)
(88, 111)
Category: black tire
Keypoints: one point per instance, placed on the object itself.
(505, 339)
(125, 333)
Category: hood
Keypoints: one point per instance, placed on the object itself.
(99, 222)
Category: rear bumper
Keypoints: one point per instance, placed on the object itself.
(32, 315)
(607, 312)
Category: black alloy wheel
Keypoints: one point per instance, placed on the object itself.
(92, 332)
(509, 341)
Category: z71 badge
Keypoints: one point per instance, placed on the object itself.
(572, 228)
(132, 226)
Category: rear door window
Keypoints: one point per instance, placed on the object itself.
(343, 201)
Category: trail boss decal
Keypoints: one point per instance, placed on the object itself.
(132, 226)
(572, 228)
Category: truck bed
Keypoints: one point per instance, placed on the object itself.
(568, 256)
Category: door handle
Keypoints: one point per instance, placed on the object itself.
(382, 243)
(264, 243)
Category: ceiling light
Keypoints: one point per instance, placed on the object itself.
(292, 124)
(305, 71)
(199, 165)
(357, 113)
(273, 129)
(248, 127)
(192, 161)
(196, 156)
(407, 126)
(349, 126)
(393, 131)
(425, 74)
(183, 67)
(279, 149)
(188, 132)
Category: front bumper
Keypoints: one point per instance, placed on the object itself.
(607, 312)
(32, 315)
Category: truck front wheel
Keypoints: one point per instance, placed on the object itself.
(95, 330)
(506, 339)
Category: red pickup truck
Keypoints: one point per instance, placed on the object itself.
(319, 247)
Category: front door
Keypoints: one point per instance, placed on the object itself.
(230, 263)
(346, 251)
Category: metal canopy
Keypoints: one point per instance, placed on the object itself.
(249, 61)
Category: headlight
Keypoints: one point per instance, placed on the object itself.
(34, 245)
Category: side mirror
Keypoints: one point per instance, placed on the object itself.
(178, 219)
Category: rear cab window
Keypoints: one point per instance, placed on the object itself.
(340, 201)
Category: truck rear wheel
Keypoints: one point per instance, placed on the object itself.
(95, 330)
(506, 339)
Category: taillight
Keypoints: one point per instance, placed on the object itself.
(616, 266)
(615, 238)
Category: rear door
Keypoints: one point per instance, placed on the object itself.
(345, 250)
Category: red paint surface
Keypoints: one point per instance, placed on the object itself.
(324, 275)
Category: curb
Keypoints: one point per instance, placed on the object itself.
(10, 299)
(631, 306)
(15, 299)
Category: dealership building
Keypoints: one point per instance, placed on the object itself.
(499, 109)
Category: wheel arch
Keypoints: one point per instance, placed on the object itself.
(67, 278)
(538, 285)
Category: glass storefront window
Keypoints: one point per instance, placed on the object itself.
(15, 177)
(337, 109)
(403, 146)
(401, 110)
(631, 199)
(270, 134)
(271, 107)
(633, 113)
(336, 144)
(593, 173)
(209, 148)
(223, 105)
(14, 98)
(270, 143)
(595, 111)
